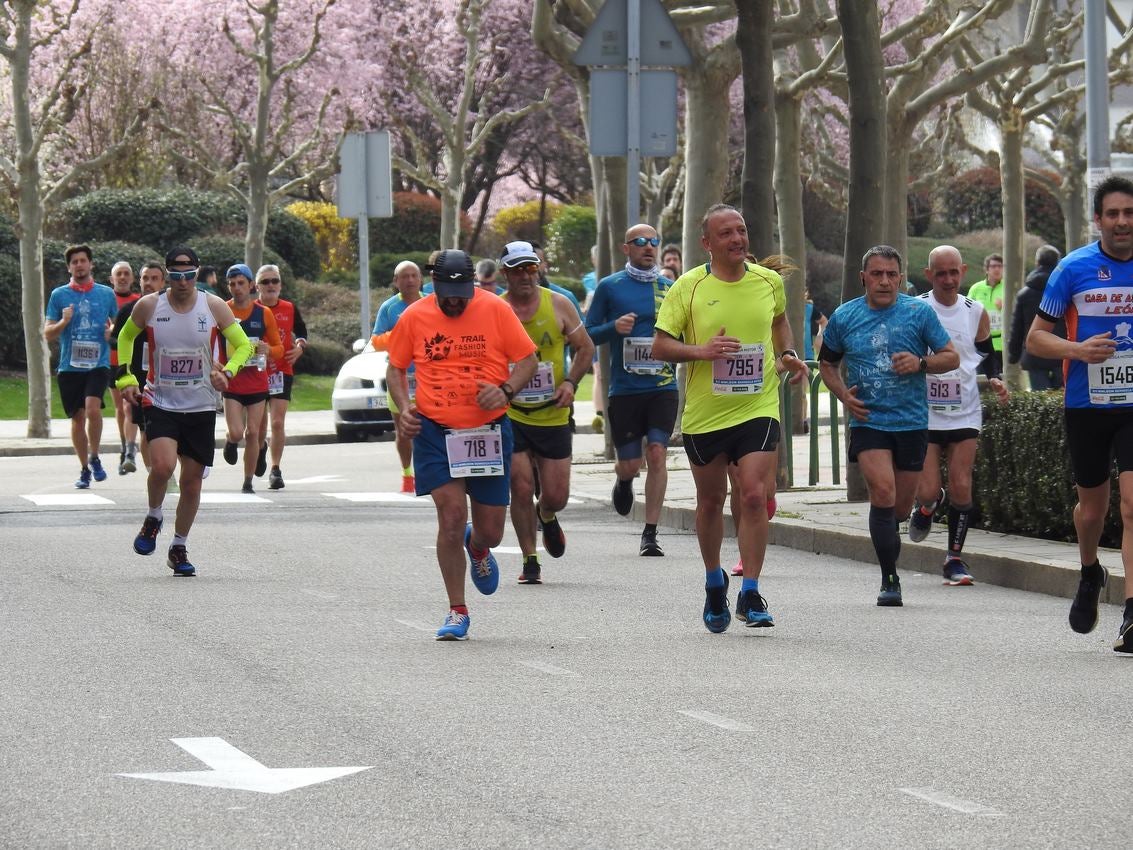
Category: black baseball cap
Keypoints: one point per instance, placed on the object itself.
(172, 258)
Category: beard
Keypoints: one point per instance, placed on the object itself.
(453, 307)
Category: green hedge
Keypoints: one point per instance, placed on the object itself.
(11, 313)
(321, 358)
(570, 237)
(1023, 480)
(974, 201)
(225, 251)
(415, 226)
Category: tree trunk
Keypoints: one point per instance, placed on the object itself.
(707, 112)
(451, 193)
(895, 201)
(753, 37)
(792, 235)
(865, 221)
(1014, 224)
(257, 211)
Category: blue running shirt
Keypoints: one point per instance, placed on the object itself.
(83, 345)
(869, 338)
(615, 296)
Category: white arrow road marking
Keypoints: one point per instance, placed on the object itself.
(68, 500)
(403, 498)
(238, 771)
(315, 479)
(939, 798)
(718, 720)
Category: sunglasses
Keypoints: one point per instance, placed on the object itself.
(191, 274)
(270, 281)
(642, 241)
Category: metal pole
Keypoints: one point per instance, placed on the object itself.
(633, 112)
(364, 274)
(1097, 101)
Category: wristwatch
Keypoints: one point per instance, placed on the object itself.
(228, 374)
(507, 391)
(923, 365)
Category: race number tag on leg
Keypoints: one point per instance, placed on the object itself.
(1111, 382)
(637, 356)
(541, 387)
(944, 392)
(85, 353)
(475, 452)
(275, 383)
(180, 367)
(742, 373)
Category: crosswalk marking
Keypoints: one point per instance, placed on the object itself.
(67, 500)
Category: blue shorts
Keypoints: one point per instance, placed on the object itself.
(430, 465)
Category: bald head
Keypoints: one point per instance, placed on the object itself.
(945, 271)
(641, 256)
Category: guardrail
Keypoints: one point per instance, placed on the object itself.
(787, 398)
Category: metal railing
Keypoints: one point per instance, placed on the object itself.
(787, 398)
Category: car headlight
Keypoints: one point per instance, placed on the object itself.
(347, 382)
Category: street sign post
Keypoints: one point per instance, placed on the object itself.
(365, 191)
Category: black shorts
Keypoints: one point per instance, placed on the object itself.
(550, 441)
(908, 447)
(1094, 437)
(138, 416)
(956, 435)
(756, 435)
(247, 399)
(76, 387)
(285, 393)
(649, 415)
(195, 433)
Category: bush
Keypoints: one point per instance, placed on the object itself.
(1020, 495)
(824, 280)
(158, 217)
(321, 358)
(569, 239)
(106, 254)
(9, 244)
(225, 251)
(11, 313)
(521, 221)
(974, 201)
(415, 226)
(332, 312)
(291, 238)
(825, 225)
(335, 237)
(382, 266)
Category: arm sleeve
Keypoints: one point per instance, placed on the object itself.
(381, 341)
(299, 327)
(988, 364)
(271, 335)
(126, 336)
(241, 347)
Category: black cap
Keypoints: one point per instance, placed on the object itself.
(453, 275)
(171, 257)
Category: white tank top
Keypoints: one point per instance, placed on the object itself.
(180, 350)
(953, 397)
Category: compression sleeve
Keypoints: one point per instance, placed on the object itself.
(988, 365)
(241, 345)
(126, 337)
(381, 341)
(299, 327)
(829, 355)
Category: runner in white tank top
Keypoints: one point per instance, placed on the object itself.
(180, 346)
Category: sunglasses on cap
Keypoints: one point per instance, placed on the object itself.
(270, 281)
(642, 241)
(191, 274)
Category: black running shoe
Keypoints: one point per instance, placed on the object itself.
(623, 496)
(229, 453)
(262, 461)
(751, 608)
(1124, 642)
(247, 488)
(890, 595)
(1084, 608)
(275, 480)
(554, 541)
(650, 548)
(716, 615)
(532, 572)
(179, 561)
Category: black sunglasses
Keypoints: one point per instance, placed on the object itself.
(269, 280)
(642, 241)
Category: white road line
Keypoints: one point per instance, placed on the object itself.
(719, 720)
(232, 499)
(549, 669)
(939, 798)
(417, 624)
(68, 500)
(402, 498)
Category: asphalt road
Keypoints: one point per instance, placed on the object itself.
(591, 711)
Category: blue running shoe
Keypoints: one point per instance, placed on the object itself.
(83, 482)
(485, 572)
(146, 541)
(956, 574)
(717, 617)
(96, 468)
(179, 561)
(455, 627)
(890, 595)
(751, 608)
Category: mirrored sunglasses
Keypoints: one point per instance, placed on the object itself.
(642, 241)
(191, 274)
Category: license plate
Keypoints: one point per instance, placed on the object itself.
(376, 401)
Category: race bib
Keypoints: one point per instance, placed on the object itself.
(996, 318)
(412, 379)
(475, 452)
(275, 383)
(180, 367)
(637, 356)
(541, 387)
(740, 374)
(944, 392)
(1111, 382)
(85, 353)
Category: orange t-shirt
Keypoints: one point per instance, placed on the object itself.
(454, 355)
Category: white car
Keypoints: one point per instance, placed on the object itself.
(359, 399)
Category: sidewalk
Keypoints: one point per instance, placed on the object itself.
(815, 519)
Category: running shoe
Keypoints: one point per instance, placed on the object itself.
(121, 463)
(262, 460)
(275, 479)
(83, 483)
(130, 464)
(716, 615)
(919, 524)
(179, 561)
(96, 468)
(751, 608)
(1124, 642)
(890, 595)
(409, 485)
(485, 572)
(623, 496)
(532, 572)
(956, 573)
(599, 423)
(650, 548)
(554, 541)
(738, 569)
(229, 453)
(455, 627)
(1084, 608)
(248, 488)
(146, 541)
